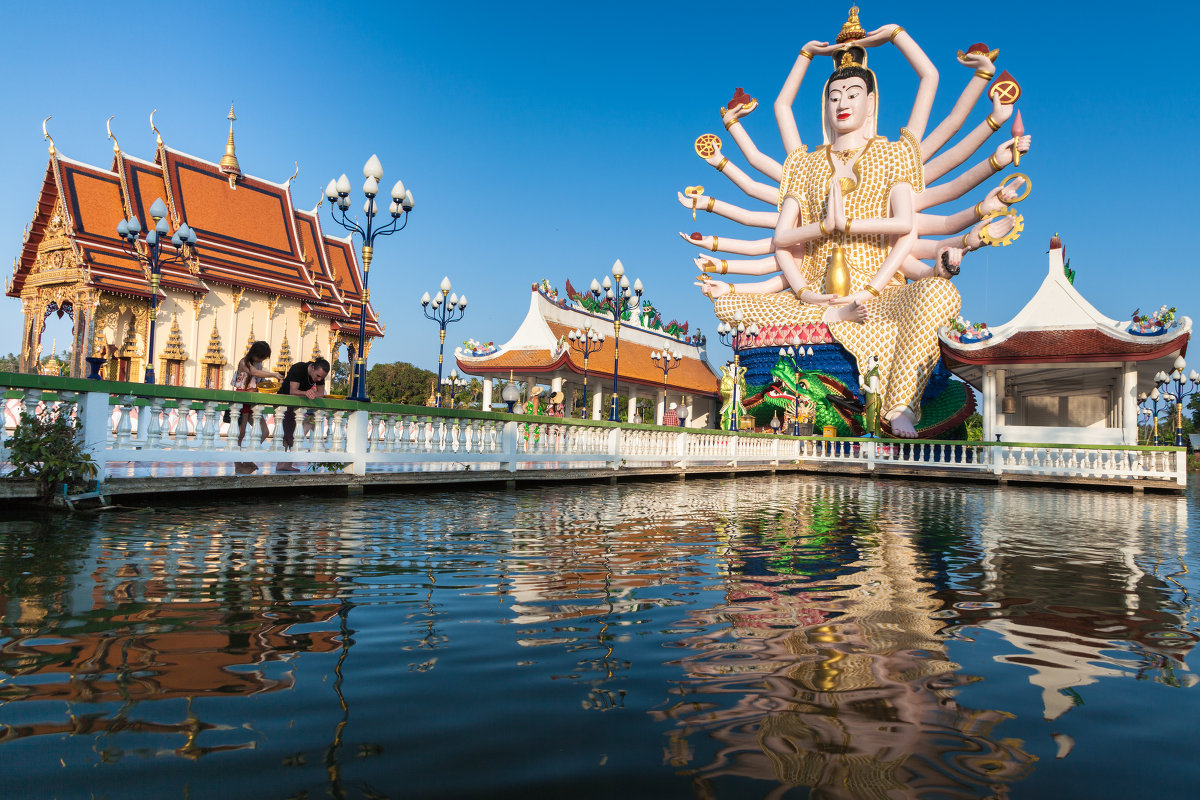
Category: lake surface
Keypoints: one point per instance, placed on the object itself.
(763, 637)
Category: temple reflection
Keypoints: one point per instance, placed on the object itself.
(178, 622)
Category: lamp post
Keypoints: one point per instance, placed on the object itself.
(1176, 384)
(790, 353)
(667, 360)
(736, 337)
(586, 342)
(616, 303)
(510, 393)
(443, 310)
(1154, 403)
(452, 382)
(338, 194)
(149, 252)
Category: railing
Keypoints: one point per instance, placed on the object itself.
(134, 429)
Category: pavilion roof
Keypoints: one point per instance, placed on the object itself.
(1059, 326)
(540, 347)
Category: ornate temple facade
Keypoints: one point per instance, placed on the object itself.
(540, 352)
(261, 269)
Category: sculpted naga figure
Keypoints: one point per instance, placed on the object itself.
(850, 230)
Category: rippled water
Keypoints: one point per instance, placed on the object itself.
(764, 637)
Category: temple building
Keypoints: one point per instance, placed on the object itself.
(261, 269)
(541, 352)
(1060, 371)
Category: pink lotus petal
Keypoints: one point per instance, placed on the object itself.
(1018, 128)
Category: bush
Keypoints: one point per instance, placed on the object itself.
(46, 447)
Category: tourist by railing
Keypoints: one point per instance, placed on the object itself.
(134, 429)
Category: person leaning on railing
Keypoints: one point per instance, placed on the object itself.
(245, 379)
(304, 379)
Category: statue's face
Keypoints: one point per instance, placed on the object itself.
(848, 105)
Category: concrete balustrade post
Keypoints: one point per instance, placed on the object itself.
(95, 420)
(356, 440)
(509, 438)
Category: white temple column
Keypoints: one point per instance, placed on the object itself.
(569, 404)
(1129, 404)
(597, 399)
(1000, 420)
(988, 411)
(661, 408)
(631, 406)
(487, 394)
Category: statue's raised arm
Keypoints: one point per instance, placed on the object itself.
(784, 117)
(926, 72)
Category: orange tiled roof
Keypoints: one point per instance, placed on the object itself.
(250, 237)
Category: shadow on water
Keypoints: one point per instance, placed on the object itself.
(764, 637)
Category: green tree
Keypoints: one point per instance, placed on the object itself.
(8, 363)
(974, 427)
(399, 382)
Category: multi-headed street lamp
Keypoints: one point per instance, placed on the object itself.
(1154, 404)
(443, 310)
(453, 382)
(667, 360)
(585, 342)
(790, 353)
(737, 337)
(338, 194)
(1175, 387)
(149, 251)
(616, 299)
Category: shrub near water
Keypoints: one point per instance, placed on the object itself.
(46, 447)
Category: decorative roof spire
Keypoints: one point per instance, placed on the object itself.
(229, 163)
(157, 136)
(46, 134)
(284, 362)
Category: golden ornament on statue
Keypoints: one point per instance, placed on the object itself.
(707, 145)
(837, 274)
(986, 236)
(852, 29)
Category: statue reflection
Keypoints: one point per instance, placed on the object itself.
(844, 682)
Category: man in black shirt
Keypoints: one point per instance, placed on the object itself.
(304, 379)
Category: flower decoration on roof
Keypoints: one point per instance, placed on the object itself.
(545, 288)
(1154, 324)
(964, 331)
(475, 348)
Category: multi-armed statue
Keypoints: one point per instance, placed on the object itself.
(851, 234)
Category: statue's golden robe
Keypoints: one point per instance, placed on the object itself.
(904, 319)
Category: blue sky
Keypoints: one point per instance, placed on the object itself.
(546, 140)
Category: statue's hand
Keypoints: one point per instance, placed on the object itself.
(809, 297)
(821, 48)
(704, 241)
(835, 217)
(704, 263)
(712, 288)
(877, 36)
(1004, 154)
(977, 61)
(1011, 190)
(1000, 111)
(948, 255)
(687, 201)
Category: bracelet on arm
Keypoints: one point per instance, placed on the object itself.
(996, 165)
(992, 123)
(712, 201)
(983, 73)
(872, 289)
(895, 33)
(724, 267)
(806, 54)
(801, 291)
(714, 244)
(979, 210)
(732, 288)
(848, 221)
(732, 122)
(724, 163)
(965, 245)
(821, 227)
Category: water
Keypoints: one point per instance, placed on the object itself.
(766, 637)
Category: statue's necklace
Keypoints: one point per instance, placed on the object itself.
(846, 155)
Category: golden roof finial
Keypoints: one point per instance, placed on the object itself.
(229, 163)
(851, 30)
(47, 135)
(108, 127)
(157, 136)
(294, 174)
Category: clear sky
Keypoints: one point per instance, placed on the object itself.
(546, 140)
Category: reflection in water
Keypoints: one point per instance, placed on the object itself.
(715, 638)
